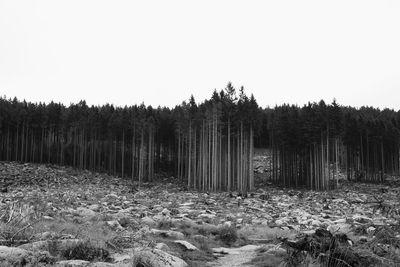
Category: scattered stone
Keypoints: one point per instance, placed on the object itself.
(186, 244)
(115, 225)
(80, 193)
(339, 228)
(362, 219)
(168, 233)
(148, 221)
(166, 212)
(48, 245)
(157, 258)
(371, 230)
(162, 246)
(73, 263)
(121, 257)
(85, 212)
(13, 256)
(235, 251)
(94, 207)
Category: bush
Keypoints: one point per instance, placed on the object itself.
(228, 234)
(86, 250)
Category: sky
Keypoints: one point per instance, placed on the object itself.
(161, 52)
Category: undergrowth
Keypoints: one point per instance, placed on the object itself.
(86, 250)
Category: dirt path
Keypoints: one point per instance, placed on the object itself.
(234, 257)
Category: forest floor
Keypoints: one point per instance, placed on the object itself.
(52, 215)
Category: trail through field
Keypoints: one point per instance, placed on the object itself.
(235, 256)
(163, 221)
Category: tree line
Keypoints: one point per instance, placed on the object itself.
(208, 145)
(313, 144)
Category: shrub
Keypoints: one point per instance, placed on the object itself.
(227, 234)
(86, 250)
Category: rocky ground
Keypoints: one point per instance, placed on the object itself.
(52, 215)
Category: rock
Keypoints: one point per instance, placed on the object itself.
(339, 221)
(112, 195)
(148, 221)
(48, 245)
(72, 263)
(122, 257)
(235, 251)
(363, 239)
(339, 228)
(166, 212)
(199, 238)
(45, 235)
(94, 207)
(85, 212)
(256, 221)
(316, 223)
(281, 222)
(19, 195)
(324, 215)
(227, 224)
(36, 246)
(13, 256)
(107, 264)
(277, 250)
(162, 246)
(157, 258)
(186, 204)
(186, 244)
(115, 225)
(127, 210)
(362, 219)
(168, 233)
(207, 216)
(371, 230)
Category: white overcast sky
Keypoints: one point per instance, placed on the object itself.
(161, 52)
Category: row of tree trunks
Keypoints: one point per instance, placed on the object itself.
(82, 149)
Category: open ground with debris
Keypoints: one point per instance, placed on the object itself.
(51, 215)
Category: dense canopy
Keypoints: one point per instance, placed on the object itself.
(209, 145)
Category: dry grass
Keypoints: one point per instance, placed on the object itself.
(86, 250)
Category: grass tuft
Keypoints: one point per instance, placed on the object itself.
(228, 234)
(86, 250)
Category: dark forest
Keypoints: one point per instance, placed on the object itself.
(208, 144)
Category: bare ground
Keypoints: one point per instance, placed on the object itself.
(51, 203)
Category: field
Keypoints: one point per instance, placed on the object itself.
(53, 215)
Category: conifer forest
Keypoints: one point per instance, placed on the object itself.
(209, 145)
(222, 182)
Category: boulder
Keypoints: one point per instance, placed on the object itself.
(162, 246)
(169, 233)
(114, 224)
(50, 245)
(121, 257)
(186, 245)
(166, 212)
(362, 219)
(344, 228)
(84, 212)
(157, 258)
(371, 230)
(94, 207)
(72, 263)
(148, 221)
(13, 256)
